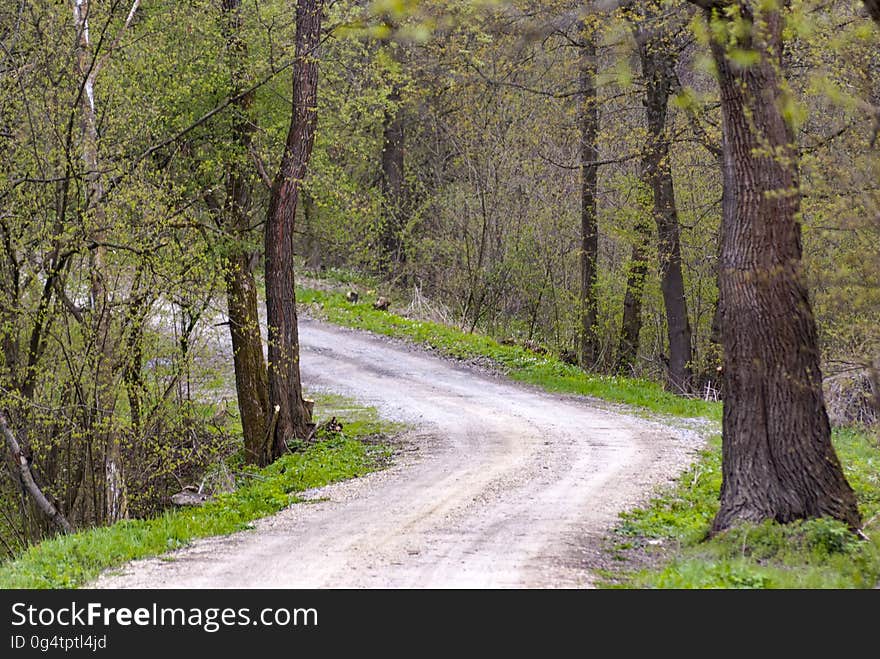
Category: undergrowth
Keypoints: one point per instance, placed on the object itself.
(74, 560)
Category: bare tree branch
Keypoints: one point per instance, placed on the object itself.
(261, 167)
(99, 64)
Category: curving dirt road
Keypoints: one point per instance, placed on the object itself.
(499, 485)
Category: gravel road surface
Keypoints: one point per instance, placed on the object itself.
(496, 485)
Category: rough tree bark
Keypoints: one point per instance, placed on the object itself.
(291, 414)
(251, 376)
(657, 60)
(588, 121)
(778, 461)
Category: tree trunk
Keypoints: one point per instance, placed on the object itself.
(116, 496)
(392, 175)
(251, 377)
(293, 418)
(657, 61)
(588, 121)
(778, 461)
(632, 303)
(873, 7)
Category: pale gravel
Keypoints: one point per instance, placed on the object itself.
(498, 485)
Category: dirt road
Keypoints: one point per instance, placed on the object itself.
(499, 485)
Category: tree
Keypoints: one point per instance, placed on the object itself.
(636, 273)
(778, 461)
(251, 378)
(657, 57)
(393, 149)
(588, 122)
(93, 237)
(22, 465)
(88, 67)
(657, 49)
(291, 415)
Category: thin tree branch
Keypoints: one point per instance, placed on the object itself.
(261, 167)
(591, 163)
(23, 466)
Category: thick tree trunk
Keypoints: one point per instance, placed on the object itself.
(657, 61)
(251, 377)
(293, 419)
(778, 461)
(588, 121)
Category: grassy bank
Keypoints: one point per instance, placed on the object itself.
(73, 560)
(664, 544)
(668, 536)
(519, 363)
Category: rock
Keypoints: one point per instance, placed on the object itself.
(189, 498)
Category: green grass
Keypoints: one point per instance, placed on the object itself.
(820, 553)
(73, 560)
(518, 363)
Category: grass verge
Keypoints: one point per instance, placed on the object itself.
(73, 560)
(667, 537)
(517, 362)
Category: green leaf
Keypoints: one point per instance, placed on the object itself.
(743, 58)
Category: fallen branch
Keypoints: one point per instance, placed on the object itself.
(27, 479)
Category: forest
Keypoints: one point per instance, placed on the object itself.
(680, 192)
